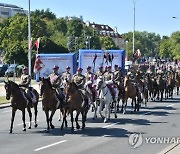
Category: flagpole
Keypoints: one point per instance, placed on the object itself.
(29, 42)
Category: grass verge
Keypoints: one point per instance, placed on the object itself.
(3, 100)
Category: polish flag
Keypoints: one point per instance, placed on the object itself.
(37, 43)
(138, 53)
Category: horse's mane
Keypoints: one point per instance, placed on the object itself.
(14, 84)
(49, 83)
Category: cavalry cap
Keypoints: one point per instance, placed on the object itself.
(88, 67)
(56, 67)
(100, 66)
(67, 67)
(79, 69)
(116, 66)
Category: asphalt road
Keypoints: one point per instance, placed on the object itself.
(158, 119)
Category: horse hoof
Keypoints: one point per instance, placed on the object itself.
(29, 127)
(105, 120)
(24, 129)
(78, 127)
(115, 116)
(10, 131)
(35, 125)
(52, 126)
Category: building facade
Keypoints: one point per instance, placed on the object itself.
(8, 10)
(106, 30)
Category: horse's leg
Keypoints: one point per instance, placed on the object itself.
(72, 120)
(51, 117)
(12, 118)
(101, 108)
(83, 119)
(124, 105)
(76, 119)
(30, 116)
(59, 115)
(23, 118)
(64, 112)
(35, 114)
(47, 119)
(177, 90)
(95, 109)
(115, 109)
(162, 91)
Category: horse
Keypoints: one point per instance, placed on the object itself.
(159, 89)
(20, 101)
(177, 81)
(150, 87)
(105, 97)
(50, 101)
(76, 100)
(130, 92)
(121, 94)
(170, 84)
(91, 93)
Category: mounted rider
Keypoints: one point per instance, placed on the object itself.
(25, 84)
(99, 73)
(55, 80)
(109, 77)
(117, 75)
(79, 79)
(66, 76)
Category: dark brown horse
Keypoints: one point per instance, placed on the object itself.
(19, 101)
(50, 101)
(177, 81)
(76, 101)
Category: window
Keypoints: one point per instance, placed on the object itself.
(4, 13)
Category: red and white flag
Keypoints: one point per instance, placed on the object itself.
(138, 53)
(37, 43)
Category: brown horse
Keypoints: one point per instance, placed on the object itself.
(19, 101)
(130, 92)
(177, 81)
(76, 101)
(50, 101)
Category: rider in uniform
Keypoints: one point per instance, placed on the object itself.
(66, 76)
(25, 83)
(55, 80)
(79, 79)
(117, 74)
(109, 77)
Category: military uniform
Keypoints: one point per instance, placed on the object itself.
(55, 80)
(25, 80)
(88, 76)
(79, 80)
(66, 76)
(117, 76)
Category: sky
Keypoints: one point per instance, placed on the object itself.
(153, 16)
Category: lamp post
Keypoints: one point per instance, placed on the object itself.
(29, 41)
(134, 3)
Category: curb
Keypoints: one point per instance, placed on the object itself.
(5, 105)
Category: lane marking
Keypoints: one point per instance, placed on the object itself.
(50, 145)
(170, 105)
(111, 125)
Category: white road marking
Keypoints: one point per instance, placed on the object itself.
(170, 105)
(110, 125)
(50, 145)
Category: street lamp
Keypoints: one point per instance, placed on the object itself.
(29, 41)
(134, 2)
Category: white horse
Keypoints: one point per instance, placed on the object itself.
(105, 98)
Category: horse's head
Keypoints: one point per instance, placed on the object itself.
(45, 85)
(99, 82)
(8, 88)
(71, 87)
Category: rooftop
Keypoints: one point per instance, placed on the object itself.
(10, 6)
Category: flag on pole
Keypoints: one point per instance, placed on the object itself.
(37, 43)
(38, 65)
